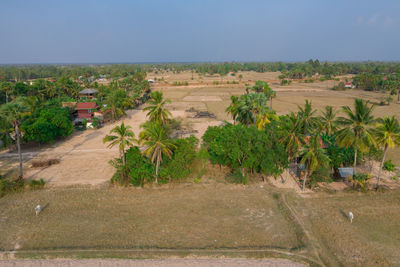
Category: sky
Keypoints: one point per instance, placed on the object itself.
(122, 31)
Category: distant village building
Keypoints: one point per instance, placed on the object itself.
(89, 93)
(348, 85)
(151, 81)
(85, 110)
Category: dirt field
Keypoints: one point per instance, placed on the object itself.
(84, 157)
(209, 219)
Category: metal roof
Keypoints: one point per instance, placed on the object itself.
(88, 91)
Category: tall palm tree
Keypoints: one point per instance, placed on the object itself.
(269, 93)
(291, 136)
(356, 131)
(124, 138)
(387, 134)
(245, 110)
(257, 103)
(13, 112)
(156, 108)
(156, 142)
(312, 156)
(233, 108)
(328, 120)
(307, 121)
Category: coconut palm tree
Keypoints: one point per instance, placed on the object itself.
(13, 112)
(356, 131)
(156, 108)
(245, 110)
(312, 156)
(387, 134)
(291, 135)
(156, 142)
(307, 121)
(124, 138)
(233, 108)
(328, 120)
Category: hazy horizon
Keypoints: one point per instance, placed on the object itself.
(178, 31)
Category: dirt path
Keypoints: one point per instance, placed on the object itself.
(165, 262)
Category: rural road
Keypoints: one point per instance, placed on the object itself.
(164, 262)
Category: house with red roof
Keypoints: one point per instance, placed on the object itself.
(85, 110)
(348, 85)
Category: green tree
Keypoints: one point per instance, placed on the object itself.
(312, 156)
(46, 124)
(157, 144)
(233, 108)
(328, 120)
(157, 111)
(124, 138)
(117, 101)
(13, 112)
(308, 122)
(356, 130)
(6, 88)
(387, 134)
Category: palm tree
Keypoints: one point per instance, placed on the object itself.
(156, 142)
(124, 138)
(291, 136)
(312, 156)
(307, 121)
(257, 103)
(328, 120)
(156, 108)
(356, 130)
(265, 116)
(233, 108)
(245, 110)
(13, 112)
(117, 101)
(269, 93)
(387, 134)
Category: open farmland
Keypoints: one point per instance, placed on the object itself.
(205, 219)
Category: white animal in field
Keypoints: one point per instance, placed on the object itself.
(351, 216)
(37, 210)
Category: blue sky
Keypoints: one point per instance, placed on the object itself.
(56, 31)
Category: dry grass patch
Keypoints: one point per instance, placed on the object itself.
(198, 216)
(372, 239)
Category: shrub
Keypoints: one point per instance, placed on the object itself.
(37, 184)
(179, 166)
(359, 181)
(236, 177)
(10, 185)
(318, 176)
(389, 165)
(139, 167)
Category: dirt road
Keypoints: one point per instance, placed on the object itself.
(166, 262)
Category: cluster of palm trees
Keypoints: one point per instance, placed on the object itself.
(154, 137)
(301, 131)
(251, 108)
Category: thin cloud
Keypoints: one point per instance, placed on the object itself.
(373, 19)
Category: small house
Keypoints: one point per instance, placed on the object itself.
(88, 93)
(348, 85)
(85, 110)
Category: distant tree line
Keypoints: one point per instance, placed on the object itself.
(292, 70)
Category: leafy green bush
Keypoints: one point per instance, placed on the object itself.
(10, 185)
(37, 184)
(179, 166)
(139, 167)
(389, 165)
(359, 181)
